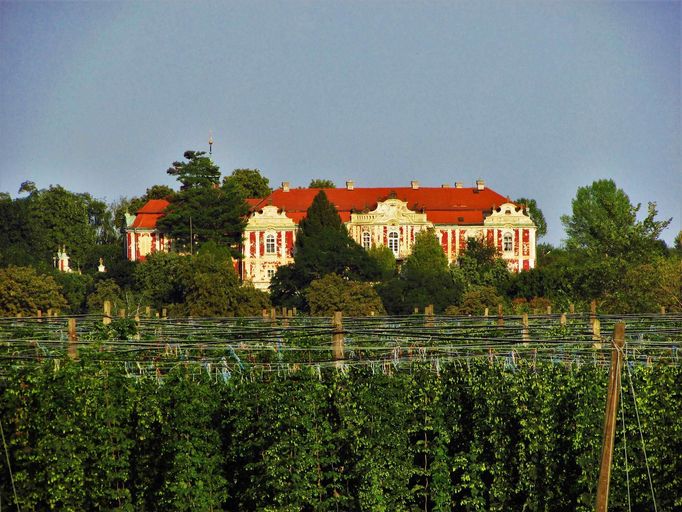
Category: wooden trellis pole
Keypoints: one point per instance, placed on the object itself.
(610, 417)
(73, 338)
(106, 312)
(337, 336)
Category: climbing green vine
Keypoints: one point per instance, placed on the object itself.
(477, 435)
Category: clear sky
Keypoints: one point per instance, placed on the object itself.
(537, 98)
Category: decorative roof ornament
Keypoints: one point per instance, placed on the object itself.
(210, 143)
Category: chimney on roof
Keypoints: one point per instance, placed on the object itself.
(459, 184)
(350, 185)
(285, 186)
(414, 184)
(480, 184)
(445, 185)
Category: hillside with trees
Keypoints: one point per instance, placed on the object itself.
(613, 254)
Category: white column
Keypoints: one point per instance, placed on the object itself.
(531, 243)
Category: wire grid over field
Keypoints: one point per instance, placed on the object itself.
(228, 345)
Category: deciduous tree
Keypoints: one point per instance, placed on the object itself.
(249, 183)
(321, 183)
(604, 223)
(23, 290)
(333, 293)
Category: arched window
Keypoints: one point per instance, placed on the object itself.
(508, 242)
(270, 244)
(366, 240)
(394, 242)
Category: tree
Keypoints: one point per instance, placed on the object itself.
(535, 214)
(202, 210)
(160, 278)
(385, 260)
(211, 284)
(604, 223)
(74, 287)
(479, 264)
(23, 290)
(28, 187)
(333, 293)
(477, 298)
(323, 246)
(106, 289)
(249, 183)
(55, 217)
(321, 183)
(198, 172)
(678, 244)
(424, 279)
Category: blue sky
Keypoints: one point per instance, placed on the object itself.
(537, 98)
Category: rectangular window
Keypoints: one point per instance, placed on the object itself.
(270, 244)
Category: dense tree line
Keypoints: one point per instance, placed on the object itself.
(611, 255)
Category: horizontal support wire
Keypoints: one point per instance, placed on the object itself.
(264, 342)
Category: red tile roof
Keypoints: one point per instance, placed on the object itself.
(148, 215)
(463, 206)
(441, 205)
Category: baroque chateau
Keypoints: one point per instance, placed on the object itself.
(388, 216)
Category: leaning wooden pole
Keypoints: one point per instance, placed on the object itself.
(610, 417)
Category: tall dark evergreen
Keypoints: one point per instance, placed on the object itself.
(202, 211)
(323, 246)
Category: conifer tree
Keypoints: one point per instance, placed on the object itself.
(323, 246)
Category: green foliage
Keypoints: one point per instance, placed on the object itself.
(206, 214)
(201, 285)
(160, 278)
(211, 286)
(249, 183)
(385, 260)
(477, 298)
(535, 214)
(604, 223)
(104, 290)
(250, 301)
(23, 290)
(75, 288)
(333, 293)
(480, 265)
(198, 172)
(202, 211)
(424, 279)
(321, 183)
(483, 435)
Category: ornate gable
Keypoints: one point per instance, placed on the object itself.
(391, 212)
(269, 218)
(508, 215)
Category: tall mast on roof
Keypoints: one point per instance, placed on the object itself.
(210, 143)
